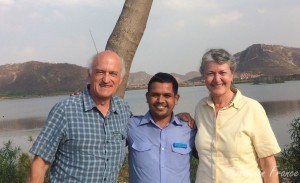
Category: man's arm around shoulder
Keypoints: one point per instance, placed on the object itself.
(38, 170)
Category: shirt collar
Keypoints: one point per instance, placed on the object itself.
(148, 119)
(237, 99)
(235, 103)
(88, 102)
(114, 107)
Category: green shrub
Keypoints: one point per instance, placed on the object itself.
(14, 164)
(289, 162)
(194, 168)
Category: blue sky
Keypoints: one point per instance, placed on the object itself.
(177, 34)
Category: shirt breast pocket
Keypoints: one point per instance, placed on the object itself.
(180, 158)
(141, 146)
(117, 140)
(141, 153)
(181, 151)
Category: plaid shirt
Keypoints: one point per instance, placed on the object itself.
(81, 144)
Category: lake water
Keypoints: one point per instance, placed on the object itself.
(21, 118)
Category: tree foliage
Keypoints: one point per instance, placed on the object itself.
(290, 160)
(14, 164)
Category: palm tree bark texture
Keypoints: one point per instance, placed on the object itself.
(127, 34)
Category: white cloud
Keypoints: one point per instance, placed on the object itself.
(188, 5)
(58, 30)
(295, 11)
(225, 18)
(28, 52)
(78, 3)
(262, 10)
(58, 15)
(6, 2)
(180, 24)
(60, 3)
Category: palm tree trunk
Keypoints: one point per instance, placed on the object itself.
(128, 33)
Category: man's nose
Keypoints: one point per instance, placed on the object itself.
(106, 78)
(160, 98)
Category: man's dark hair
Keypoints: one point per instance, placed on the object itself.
(164, 78)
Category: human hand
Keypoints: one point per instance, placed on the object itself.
(75, 93)
(185, 116)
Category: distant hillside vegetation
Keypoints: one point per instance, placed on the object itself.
(142, 78)
(138, 78)
(269, 60)
(38, 78)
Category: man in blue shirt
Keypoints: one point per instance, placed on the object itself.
(84, 138)
(160, 144)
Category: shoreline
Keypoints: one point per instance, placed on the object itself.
(8, 126)
(144, 86)
(21, 132)
(22, 139)
(8, 97)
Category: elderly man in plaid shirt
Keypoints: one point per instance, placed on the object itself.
(84, 138)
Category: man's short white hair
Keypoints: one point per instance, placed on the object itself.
(94, 58)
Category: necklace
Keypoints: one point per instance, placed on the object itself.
(227, 105)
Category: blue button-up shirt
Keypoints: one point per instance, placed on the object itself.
(159, 155)
(81, 144)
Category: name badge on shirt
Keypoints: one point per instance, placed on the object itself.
(179, 145)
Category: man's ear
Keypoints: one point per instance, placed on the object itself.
(89, 73)
(120, 81)
(147, 95)
(177, 96)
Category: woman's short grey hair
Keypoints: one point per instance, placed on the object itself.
(219, 56)
(91, 62)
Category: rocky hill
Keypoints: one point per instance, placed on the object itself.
(38, 78)
(188, 76)
(138, 78)
(269, 60)
(142, 78)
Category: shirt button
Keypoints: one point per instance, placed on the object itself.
(162, 149)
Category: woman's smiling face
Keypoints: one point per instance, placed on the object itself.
(218, 78)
